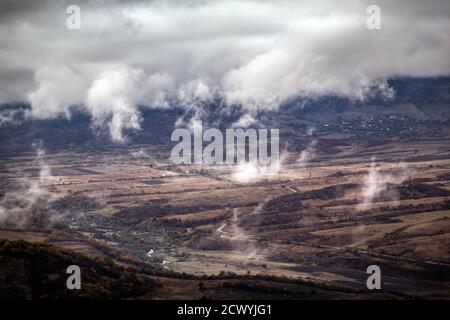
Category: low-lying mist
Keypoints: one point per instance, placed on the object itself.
(26, 207)
(377, 181)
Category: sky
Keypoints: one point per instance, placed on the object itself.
(251, 54)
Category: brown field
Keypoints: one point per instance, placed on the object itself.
(308, 222)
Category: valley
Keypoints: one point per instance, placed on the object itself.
(323, 221)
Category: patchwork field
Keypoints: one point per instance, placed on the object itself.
(326, 220)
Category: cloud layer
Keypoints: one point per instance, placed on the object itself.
(255, 54)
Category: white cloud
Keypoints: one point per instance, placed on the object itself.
(257, 54)
(56, 89)
(114, 97)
